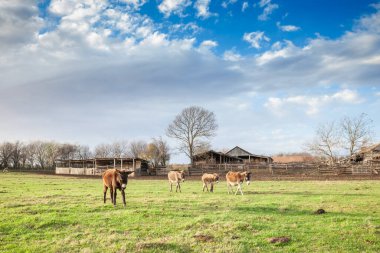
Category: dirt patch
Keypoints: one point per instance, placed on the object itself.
(320, 211)
(203, 238)
(281, 239)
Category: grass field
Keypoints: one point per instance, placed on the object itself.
(43, 213)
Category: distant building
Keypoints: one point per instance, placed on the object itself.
(97, 165)
(214, 157)
(369, 154)
(248, 157)
(235, 155)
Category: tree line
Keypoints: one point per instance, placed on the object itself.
(43, 154)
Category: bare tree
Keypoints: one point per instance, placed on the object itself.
(119, 149)
(327, 142)
(6, 152)
(137, 149)
(356, 132)
(83, 152)
(193, 128)
(17, 154)
(103, 150)
(163, 150)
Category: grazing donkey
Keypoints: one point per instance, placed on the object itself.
(237, 179)
(209, 179)
(115, 179)
(175, 177)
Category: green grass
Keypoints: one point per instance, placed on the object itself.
(42, 213)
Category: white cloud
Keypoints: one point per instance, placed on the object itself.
(229, 2)
(269, 7)
(231, 55)
(209, 43)
(202, 7)
(244, 6)
(312, 104)
(255, 38)
(19, 23)
(167, 7)
(287, 28)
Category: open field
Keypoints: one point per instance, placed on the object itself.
(46, 213)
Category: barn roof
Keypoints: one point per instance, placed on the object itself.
(101, 159)
(238, 151)
(375, 147)
(216, 153)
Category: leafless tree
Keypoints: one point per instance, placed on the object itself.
(17, 154)
(119, 149)
(67, 151)
(356, 132)
(163, 150)
(103, 150)
(46, 153)
(327, 142)
(193, 128)
(83, 152)
(6, 151)
(158, 152)
(137, 149)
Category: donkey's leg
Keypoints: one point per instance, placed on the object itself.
(179, 187)
(171, 187)
(111, 194)
(114, 196)
(105, 188)
(211, 187)
(123, 194)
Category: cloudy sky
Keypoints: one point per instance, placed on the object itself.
(96, 71)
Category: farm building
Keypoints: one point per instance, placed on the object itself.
(97, 165)
(213, 157)
(370, 154)
(235, 155)
(248, 157)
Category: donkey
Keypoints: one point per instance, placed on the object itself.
(175, 177)
(237, 179)
(115, 179)
(209, 179)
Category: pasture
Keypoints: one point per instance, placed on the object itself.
(46, 213)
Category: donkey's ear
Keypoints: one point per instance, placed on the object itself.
(129, 172)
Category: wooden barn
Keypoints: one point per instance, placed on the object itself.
(248, 157)
(97, 165)
(235, 155)
(369, 154)
(213, 157)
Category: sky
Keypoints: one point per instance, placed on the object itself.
(97, 71)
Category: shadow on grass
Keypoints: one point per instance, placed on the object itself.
(161, 247)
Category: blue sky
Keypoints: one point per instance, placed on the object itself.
(96, 71)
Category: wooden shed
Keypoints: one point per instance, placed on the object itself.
(370, 154)
(213, 157)
(248, 157)
(96, 166)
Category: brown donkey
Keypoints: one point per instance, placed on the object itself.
(115, 179)
(209, 179)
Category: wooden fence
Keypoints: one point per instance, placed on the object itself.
(304, 169)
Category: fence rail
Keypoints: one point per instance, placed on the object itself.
(288, 169)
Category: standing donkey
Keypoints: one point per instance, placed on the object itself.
(115, 179)
(176, 177)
